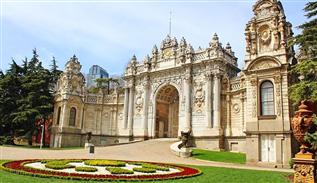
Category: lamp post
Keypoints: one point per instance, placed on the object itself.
(42, 134)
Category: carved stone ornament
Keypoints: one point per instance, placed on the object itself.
(301, 124)
(199, 99)
(264, 64)
(139, 102)
(236, 108)
(304, 173)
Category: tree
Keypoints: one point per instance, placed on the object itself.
(36, 101)
(306, 70)
(10, 92)
(54, 71)
(104, 83)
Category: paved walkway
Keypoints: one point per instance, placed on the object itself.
(157, 150)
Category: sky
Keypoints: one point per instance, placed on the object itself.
(107, 33)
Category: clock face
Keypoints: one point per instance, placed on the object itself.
(168, 53)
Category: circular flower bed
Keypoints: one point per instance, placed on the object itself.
(100, 170)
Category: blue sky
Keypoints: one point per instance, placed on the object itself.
(108, 33)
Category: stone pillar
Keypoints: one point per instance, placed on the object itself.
(229, 126)
(126, 108)
(305, 169)
(216, 101)
(131, 106)
(187, 88)
(208, 78)
(145, 111)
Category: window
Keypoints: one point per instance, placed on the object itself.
(58, 115)
(267, 98)
(72, 116)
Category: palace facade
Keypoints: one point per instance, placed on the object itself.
(177, 88)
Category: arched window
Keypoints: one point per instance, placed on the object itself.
(267, 98)
(72, 116)
(58, 114)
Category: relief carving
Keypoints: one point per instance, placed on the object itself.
(199, 99)
(254, 82)
(303, 173)
(277, 80)
(264, 64)
(139, 101)
(236, 108)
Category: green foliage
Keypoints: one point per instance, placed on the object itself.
(58, 165)
(85, 169)
(6, 140)
(26, 96)
(228, 157)
(306, 69)
(311, 137)
(104, 83)
(144, 170)
(291, 163)
(303, 90)
(117, 170)
(155, 167)
(105, 163)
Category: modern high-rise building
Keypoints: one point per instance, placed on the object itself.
(95, 72)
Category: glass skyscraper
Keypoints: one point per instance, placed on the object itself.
(95, 72)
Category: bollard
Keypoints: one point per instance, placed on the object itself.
(91, 149)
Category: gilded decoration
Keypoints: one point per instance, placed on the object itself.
(304, 173)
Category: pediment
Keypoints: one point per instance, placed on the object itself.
(264, 64)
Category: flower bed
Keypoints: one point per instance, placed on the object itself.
(175, 171)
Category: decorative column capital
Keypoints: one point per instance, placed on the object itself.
(277, 79)
(208, 76)
(254, 81)
(217, 75)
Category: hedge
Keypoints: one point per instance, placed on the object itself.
(117, 170)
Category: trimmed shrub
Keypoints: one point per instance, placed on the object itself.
(58, 164)
(144, 170)
(156, 167)
(85, 169)
(104, 163)
(117, 170)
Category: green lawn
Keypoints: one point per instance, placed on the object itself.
(210, 175)
(221, 156)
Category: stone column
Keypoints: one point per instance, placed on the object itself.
(146, 106)
(216, 101)
(126, 108)
(131, 106)
(305, 169)
(187, 88)
(208, 78)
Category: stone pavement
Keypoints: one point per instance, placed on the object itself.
(157, 150)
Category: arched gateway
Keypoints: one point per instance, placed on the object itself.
(166, 112)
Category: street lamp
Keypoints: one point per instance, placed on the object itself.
(42, 134)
